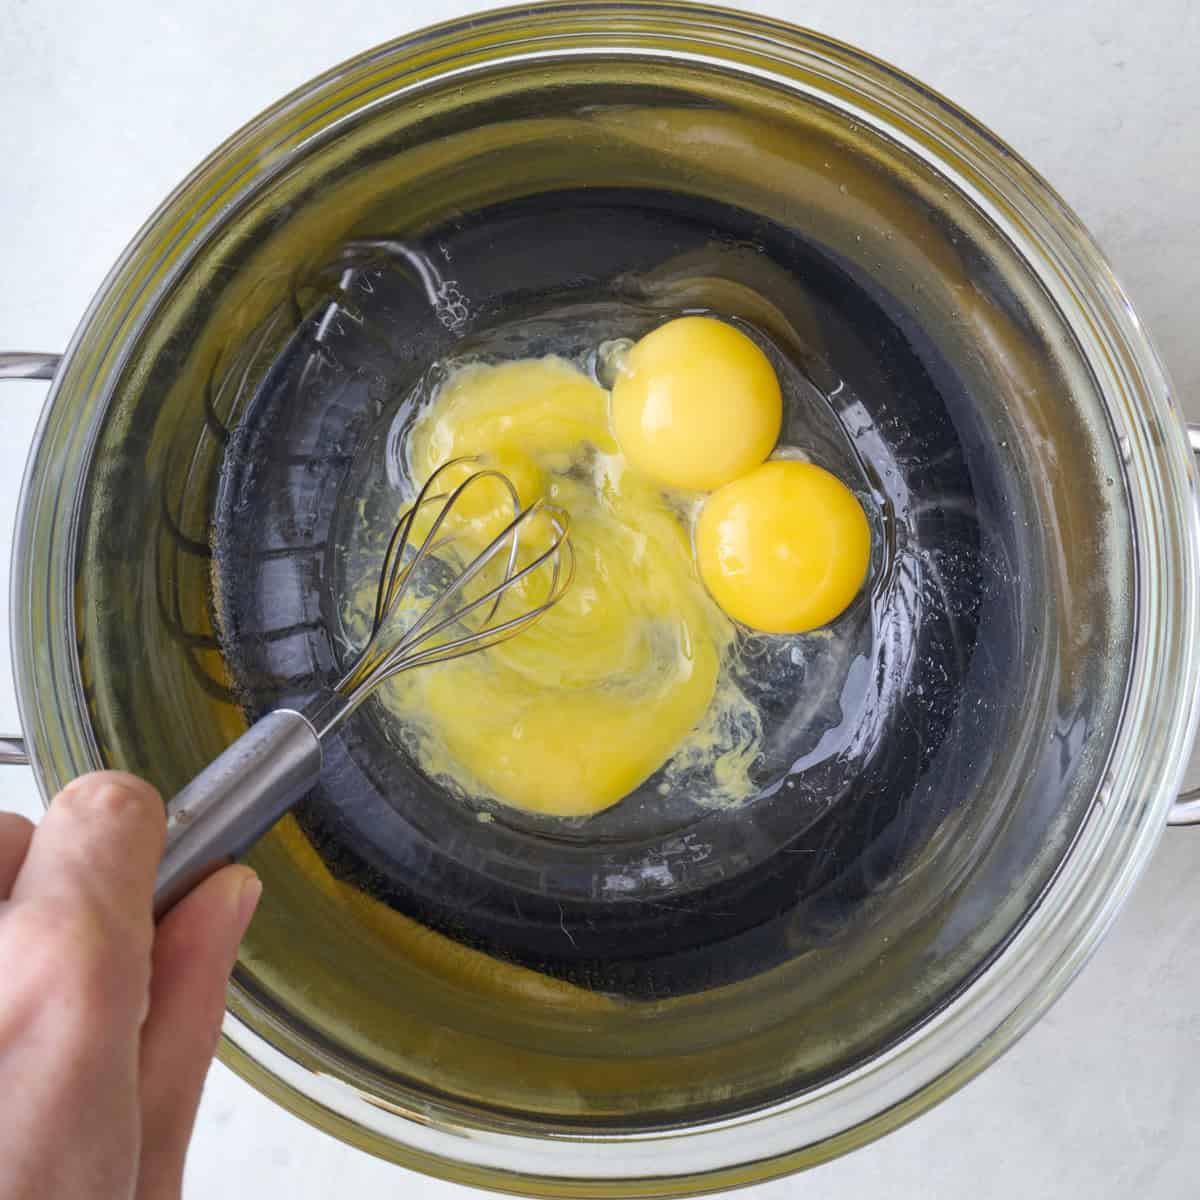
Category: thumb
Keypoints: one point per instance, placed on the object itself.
(194, 951)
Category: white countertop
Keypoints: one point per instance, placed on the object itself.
(104, 107)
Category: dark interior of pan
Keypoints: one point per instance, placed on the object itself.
(871, 748)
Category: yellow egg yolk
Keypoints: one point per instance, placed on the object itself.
(785, 548)
(624, 673)
(695, 404)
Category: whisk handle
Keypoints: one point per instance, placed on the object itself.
(235, 800)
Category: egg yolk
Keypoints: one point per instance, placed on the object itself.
(624, 674)
(695, 404)
(785, 548)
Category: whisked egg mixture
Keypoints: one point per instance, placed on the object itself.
(682, 534)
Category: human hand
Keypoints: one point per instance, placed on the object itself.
(107, 1024)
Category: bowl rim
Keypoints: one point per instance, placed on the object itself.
(1157, 725)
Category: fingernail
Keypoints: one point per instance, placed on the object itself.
(247, 899)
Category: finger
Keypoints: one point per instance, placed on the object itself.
(98, 846)
(194, 952)
(73, 995)
(15, 832)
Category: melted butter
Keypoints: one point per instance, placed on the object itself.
(625, 673)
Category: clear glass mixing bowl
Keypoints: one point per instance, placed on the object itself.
(1021, 831)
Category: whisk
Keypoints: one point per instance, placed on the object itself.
(242, 793)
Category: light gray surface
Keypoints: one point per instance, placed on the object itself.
(104, 107)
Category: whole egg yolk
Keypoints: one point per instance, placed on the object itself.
(695, 404)
(785, 548)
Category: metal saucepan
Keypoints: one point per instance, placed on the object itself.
(669, 1000)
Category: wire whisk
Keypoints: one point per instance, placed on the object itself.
(242, 793)
(451, 622)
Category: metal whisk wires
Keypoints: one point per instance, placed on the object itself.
(451, 622)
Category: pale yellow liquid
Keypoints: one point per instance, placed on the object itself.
(626, 672)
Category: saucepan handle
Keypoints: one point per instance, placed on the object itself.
(1186, 809)
(23, 366)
